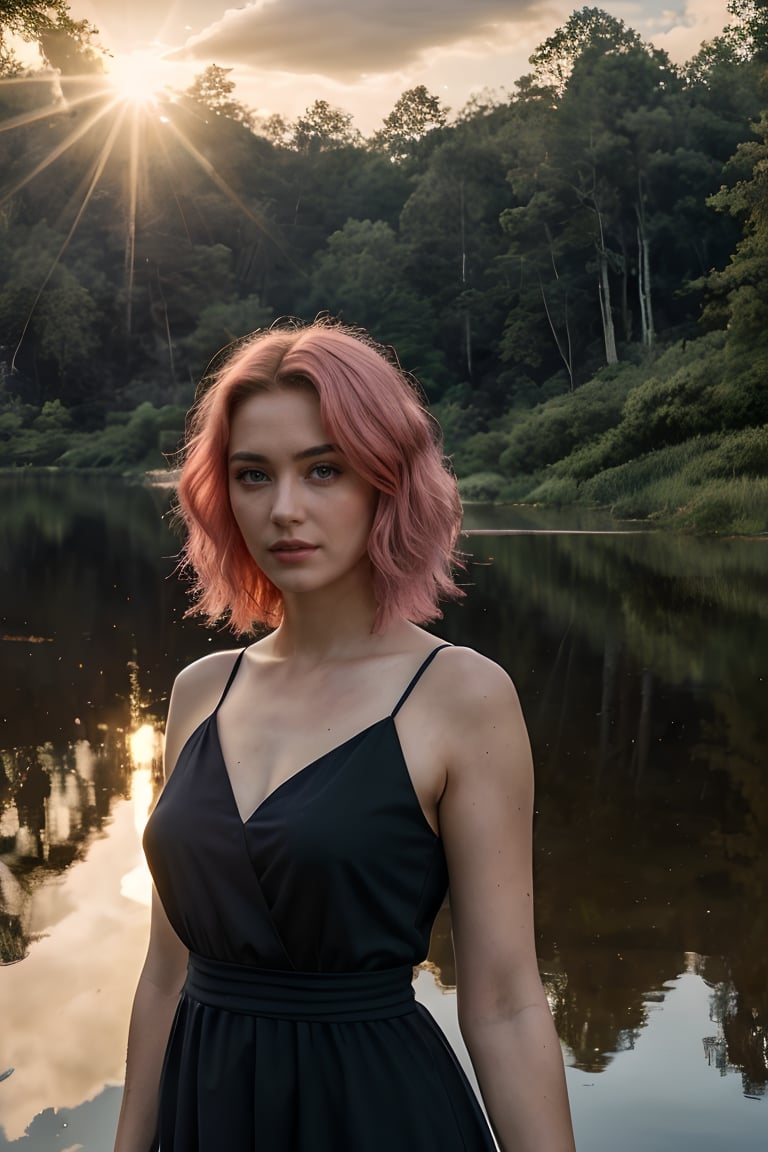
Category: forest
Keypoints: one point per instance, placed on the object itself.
(576, 270)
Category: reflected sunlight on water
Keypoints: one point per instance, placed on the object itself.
(146, 748)
(66, 1006)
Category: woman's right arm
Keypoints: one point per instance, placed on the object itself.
(154, 1007)
(194, 695)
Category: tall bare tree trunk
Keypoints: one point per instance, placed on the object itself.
(644, 276)
(604, 289)
(565, 349)
(626, 316)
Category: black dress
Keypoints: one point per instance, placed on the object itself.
(297, 1030)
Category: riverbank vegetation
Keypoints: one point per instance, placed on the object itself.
(575, 269)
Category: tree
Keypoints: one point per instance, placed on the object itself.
(360, 276)
(212, 90)
(554, 60)
(323, 127)
(218, 325)
(600, 189)
(749, 30)
(33, 21)
(740, 290)
(274, 128)
(414, 116)
(451, 225)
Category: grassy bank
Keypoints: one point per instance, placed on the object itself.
(680, 440)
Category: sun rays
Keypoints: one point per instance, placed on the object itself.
(122, 121)
(138, 79)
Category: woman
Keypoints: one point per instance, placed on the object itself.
(324, 784)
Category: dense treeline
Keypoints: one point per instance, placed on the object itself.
(541, 262)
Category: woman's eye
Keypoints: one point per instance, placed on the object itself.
(324, 471)
(251, 476)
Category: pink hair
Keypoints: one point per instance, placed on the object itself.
(374, 416)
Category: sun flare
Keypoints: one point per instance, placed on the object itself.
(137, 78)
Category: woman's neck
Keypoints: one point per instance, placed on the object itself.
(330, 624)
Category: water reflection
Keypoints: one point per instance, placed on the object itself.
(642, 662)
(643, 674)
(53, 802)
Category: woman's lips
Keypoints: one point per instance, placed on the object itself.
(292, 551)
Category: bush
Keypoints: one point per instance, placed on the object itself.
(743, 453)
(604, 452)
(554, 429)
(659, 498)
(130, 440)
(480, 453)
(625, 481)
(738, 506)
(482, 486)
(743, 394)
(667, 411)
(457, 418)
(554, 490)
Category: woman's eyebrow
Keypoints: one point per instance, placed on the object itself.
(305, 454)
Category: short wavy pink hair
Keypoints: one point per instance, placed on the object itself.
(373, 414)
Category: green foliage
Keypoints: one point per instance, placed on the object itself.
(32, 21)
(457, 416)
(742, 287)
(414, 116)
(551, 430)
(218, 325)
(212, 90)
(129, 441)
(323, 127)
(742, 453)
(360, 277)
(53, 417)
(586, 28)
(665, 411)
(555, 490)
(733, 506)
(481, 486)
(480, 452)
(709, 483)
(749, 28)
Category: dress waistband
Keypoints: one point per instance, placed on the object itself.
(310, 996)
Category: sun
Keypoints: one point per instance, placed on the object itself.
(137, 78)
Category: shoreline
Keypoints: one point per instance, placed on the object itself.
(164, 479)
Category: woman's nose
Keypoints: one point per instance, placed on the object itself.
(287, 504)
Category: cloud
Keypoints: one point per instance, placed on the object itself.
(347, 39)
(684, 33)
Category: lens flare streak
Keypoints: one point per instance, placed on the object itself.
(99, 169)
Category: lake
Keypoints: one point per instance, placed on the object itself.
(642, 662)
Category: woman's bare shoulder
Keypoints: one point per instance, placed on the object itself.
(466, 680)
(196, 692)
(206, 672)
(472, 698)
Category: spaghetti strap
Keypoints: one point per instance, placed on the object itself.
(422, 668)
(232, 675)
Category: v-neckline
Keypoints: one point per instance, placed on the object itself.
(245, 821)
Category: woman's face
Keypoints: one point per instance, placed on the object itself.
(304, 514)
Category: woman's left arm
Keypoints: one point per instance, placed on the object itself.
(486, 813)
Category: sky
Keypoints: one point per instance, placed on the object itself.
(361, 55)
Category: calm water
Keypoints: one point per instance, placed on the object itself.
(642, 662)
